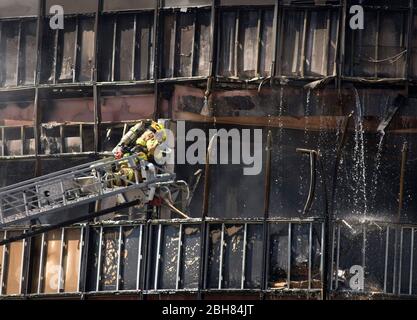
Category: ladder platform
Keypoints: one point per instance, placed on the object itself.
(75, 187)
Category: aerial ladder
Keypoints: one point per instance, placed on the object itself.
(70, 189)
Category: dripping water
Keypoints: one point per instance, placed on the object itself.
(359, 174)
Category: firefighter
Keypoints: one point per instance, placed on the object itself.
(152, 134)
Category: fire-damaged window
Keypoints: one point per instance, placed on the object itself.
(379, 50)
(308, 43)
(68, 54)
(383, 252)
(185, 43)
(67, 124)
(115, 260)
(55, 262)
(17, 52)
(245, 43)
(126, 47)
(295, 259)
(234, 256)
(11, 264)
(176, 256)
(17, 141)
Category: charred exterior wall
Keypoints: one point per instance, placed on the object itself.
(294, 69)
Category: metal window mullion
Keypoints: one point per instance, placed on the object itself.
(132, 75)
(113, 58)
(61, 261)
(322, 251)
(55, 64)
(22, 139)
(258, 43)
(194, 44)
(119, 254)
(303, 44)
(80, 258)
(337, 256)
(327, 41)
(394, 274)
(236, 48)
(40, 275)
(3, 261)
(22, 261)
(158, 257)
(177, 282)
(81, 137)
(364, 251)
(76, 45)
(378, 21)
(245, 238)
(19, 47)
(386, 260)
(400, 262)
(3, 140)
(100, 245)
(310, 251)
(1, 212)
(221, 257)
(138, 269)
(411, 262)
(174, 53)
(289, 256)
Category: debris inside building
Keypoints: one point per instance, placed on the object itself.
(325, 113)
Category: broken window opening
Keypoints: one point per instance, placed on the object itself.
(245, 43)
(309, 43)
(17, 52)
(295, 256)
(186, 43)
(12, 261)
(382, 251)
(68, 55)
(232, 259)
(379, 50)
(126, 47)
(115, 263)
(17, 141)
(177, 257)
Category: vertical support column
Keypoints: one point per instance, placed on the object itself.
(138, 270)
(80, 263)
(341, 48)
(61, 261)
(289, 256)
(97, 119)
(410, 291)
(42, 255)
(94, 77)
(76, 46)
(100, 247)
(245, 237)
(221, 258)
(177, 282)
(3, 260)
(386, 260)
(409, 44)
(19, 47)
(267, 195)
(119, 254)
(158, 258)
(156, 58)
(132, 75)
(275, 40)
(310, 253)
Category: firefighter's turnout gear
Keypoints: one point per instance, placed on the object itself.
(142, 139)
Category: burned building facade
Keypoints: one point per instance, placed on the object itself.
(333, 214)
